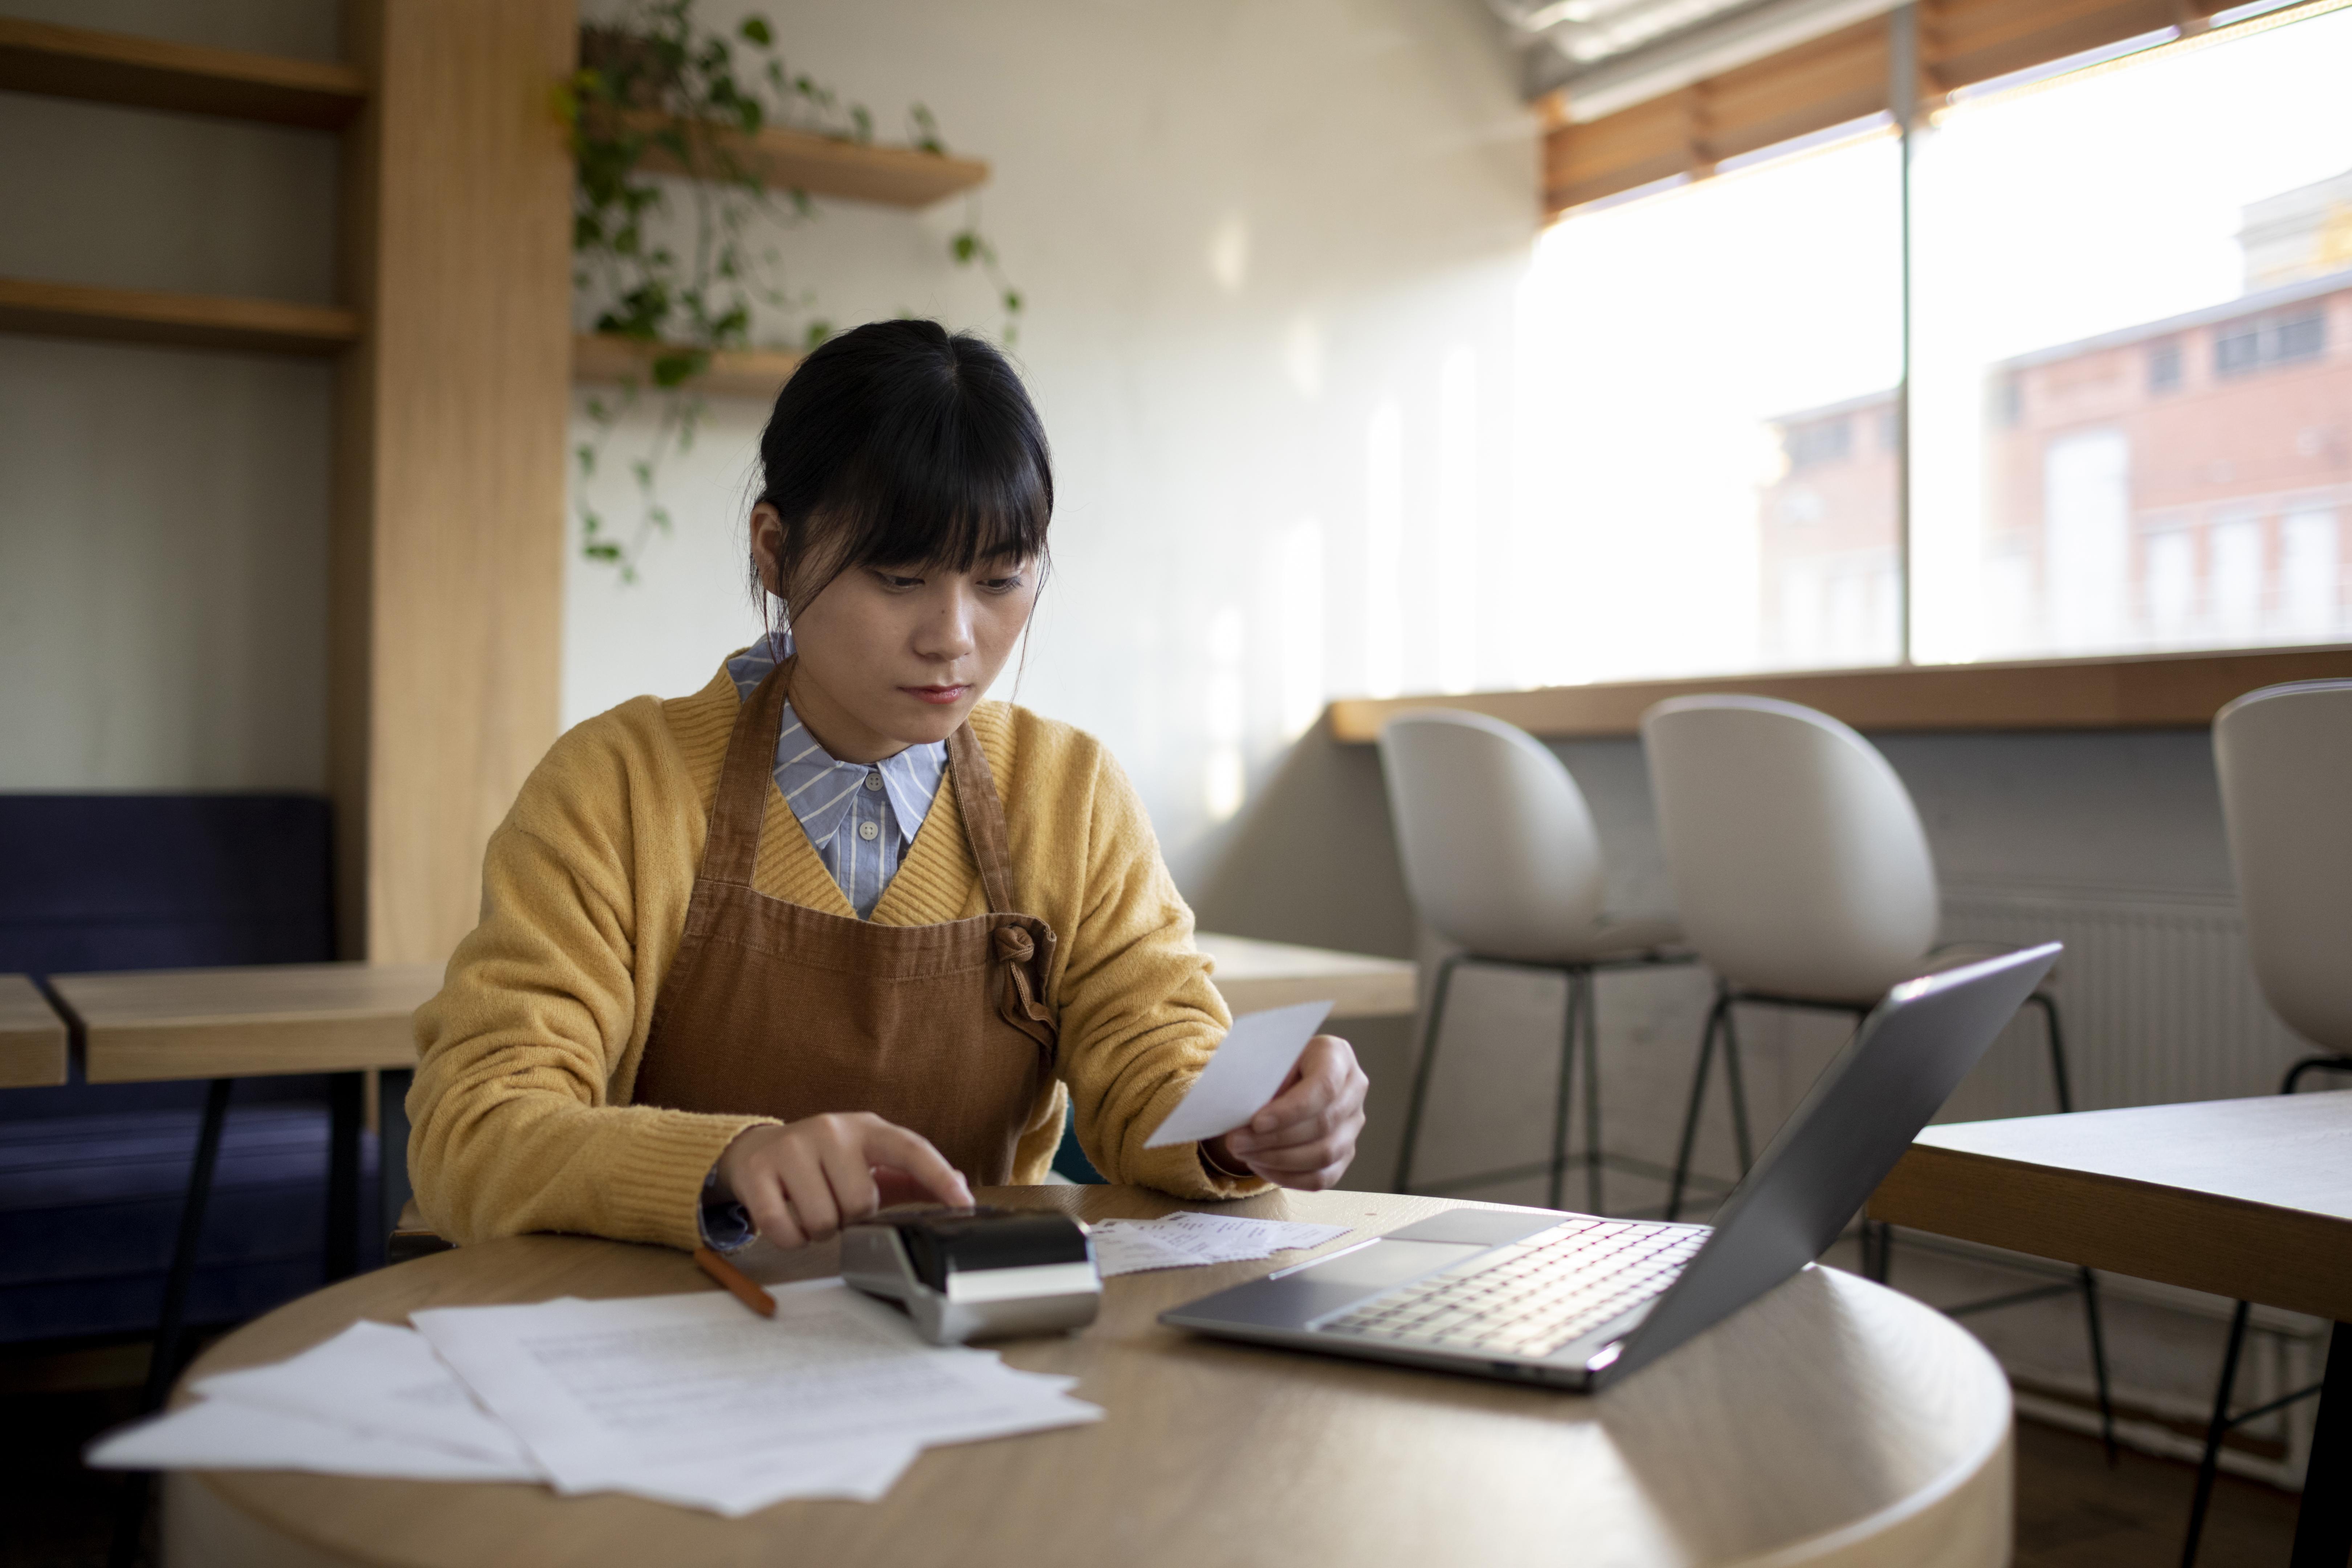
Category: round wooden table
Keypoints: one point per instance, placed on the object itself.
(1834, 1422)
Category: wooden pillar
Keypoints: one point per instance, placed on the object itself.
(448, 556)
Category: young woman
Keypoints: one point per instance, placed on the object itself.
(832, 933)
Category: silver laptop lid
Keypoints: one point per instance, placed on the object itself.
(1830, 1154)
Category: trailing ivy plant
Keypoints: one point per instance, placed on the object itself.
(658, 91)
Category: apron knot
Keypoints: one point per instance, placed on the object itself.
(1013, 945)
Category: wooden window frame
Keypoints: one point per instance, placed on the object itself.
(1832, 80)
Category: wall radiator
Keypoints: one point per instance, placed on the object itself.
(2157, 993)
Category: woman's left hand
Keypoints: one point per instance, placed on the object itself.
(1305, 1135)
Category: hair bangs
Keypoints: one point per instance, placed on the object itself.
(939, 493)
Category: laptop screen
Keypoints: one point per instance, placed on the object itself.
(1830, 1154)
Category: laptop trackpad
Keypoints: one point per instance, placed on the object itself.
(1386, 1262)
(1319, 1289)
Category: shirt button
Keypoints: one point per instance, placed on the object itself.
(868, 832)
(874, 778)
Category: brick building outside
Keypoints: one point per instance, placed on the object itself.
(2179, 483)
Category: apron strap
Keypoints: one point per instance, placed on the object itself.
(983, 818)
(732, 851)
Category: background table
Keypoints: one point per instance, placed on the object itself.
(233, 1022)
(1835, 1422)
(2246, 1198)
(32, 1037)
(246, 1022)
(1252, 974)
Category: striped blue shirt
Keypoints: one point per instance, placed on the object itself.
(860, 816)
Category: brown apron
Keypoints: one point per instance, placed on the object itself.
(774, 1009)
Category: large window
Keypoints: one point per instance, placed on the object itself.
(2129, 378)
(2132, 371)
(1714, 431)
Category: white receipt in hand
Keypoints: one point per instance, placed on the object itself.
(1249, 1065)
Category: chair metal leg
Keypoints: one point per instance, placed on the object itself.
(1877, 1250)
(2059, 1076)
(1429, 1038)
(2209, 1463)
(346, 1100)
(1565, 1091)
(1697, 1101)
(1741, 1136)
(1593, 1094)
(2314, 1064)
(2063, 1082)
(2097, 1331)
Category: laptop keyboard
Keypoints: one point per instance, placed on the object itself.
(1533, 1299)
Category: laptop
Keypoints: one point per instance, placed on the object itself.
(1577, 1301)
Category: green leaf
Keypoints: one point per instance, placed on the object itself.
(963, 248)
(1012, 301)
(596, 551)
(926, 130)
(672, 370)
(755, 29)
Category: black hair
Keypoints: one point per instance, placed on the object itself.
(898, 444)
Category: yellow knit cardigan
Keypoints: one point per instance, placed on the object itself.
(521, 1111)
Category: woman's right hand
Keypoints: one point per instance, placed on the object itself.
(804, 1181)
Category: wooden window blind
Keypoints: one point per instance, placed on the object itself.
(1830, 80)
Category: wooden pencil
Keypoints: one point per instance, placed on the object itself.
(727, 1274)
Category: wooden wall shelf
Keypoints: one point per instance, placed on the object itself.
(2158, 692)
(180, 320)
(152, 73)
(747, 372)
(824, 166)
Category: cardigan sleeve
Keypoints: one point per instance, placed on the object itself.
(1140, 1018)
(514, 1124)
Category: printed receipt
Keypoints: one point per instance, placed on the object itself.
(1249, 1065)
(1190, 1240)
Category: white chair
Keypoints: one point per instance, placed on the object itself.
(2283, 754)
(1501, 859)
(1804, 880)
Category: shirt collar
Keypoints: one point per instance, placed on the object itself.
(820, 788)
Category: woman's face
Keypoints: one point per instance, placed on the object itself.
(894, 657)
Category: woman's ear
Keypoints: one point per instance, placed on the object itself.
(767, 544)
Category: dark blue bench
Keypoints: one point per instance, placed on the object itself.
(94, 1177)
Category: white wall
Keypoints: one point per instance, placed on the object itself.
(1245, 227)
(164, 512)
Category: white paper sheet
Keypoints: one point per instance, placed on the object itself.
(859, 1473)
(225, 1434)
(1249, 1065)
(376, 1378)
(1188, 1240)
(694, 1393)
